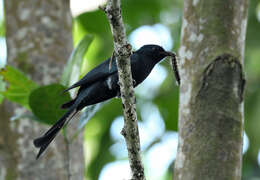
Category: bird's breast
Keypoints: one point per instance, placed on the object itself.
(140, 72)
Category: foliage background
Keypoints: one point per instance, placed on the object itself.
(157, 98)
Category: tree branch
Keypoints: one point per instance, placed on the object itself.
(122, 51)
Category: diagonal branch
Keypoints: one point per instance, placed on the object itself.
(122, 51)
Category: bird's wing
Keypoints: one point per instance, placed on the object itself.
(100, 72)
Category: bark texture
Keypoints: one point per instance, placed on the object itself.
(211, 92)
(122, 51)
(39, 41)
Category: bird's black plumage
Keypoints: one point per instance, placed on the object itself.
(101, 84)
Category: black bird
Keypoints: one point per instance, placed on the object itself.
(101, 84)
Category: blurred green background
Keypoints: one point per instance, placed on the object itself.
(157, 22)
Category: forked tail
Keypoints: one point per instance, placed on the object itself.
(44, 141)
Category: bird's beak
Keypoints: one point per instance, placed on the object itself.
(168, 53)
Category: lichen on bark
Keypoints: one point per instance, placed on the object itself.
(210, 116)
(39, 41)
(122, 51)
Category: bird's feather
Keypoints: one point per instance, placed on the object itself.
(101, 84)
(44, 141)
(98, 73)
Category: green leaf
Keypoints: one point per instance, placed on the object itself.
(19, 88)
(75, 61)
(99, 24)
(45, 103)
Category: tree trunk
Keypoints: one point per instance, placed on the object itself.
(211, 92)
(39, 41)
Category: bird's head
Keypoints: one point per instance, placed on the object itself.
(154, 52)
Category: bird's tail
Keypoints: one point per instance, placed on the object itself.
(68, 104)
(44, 141)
